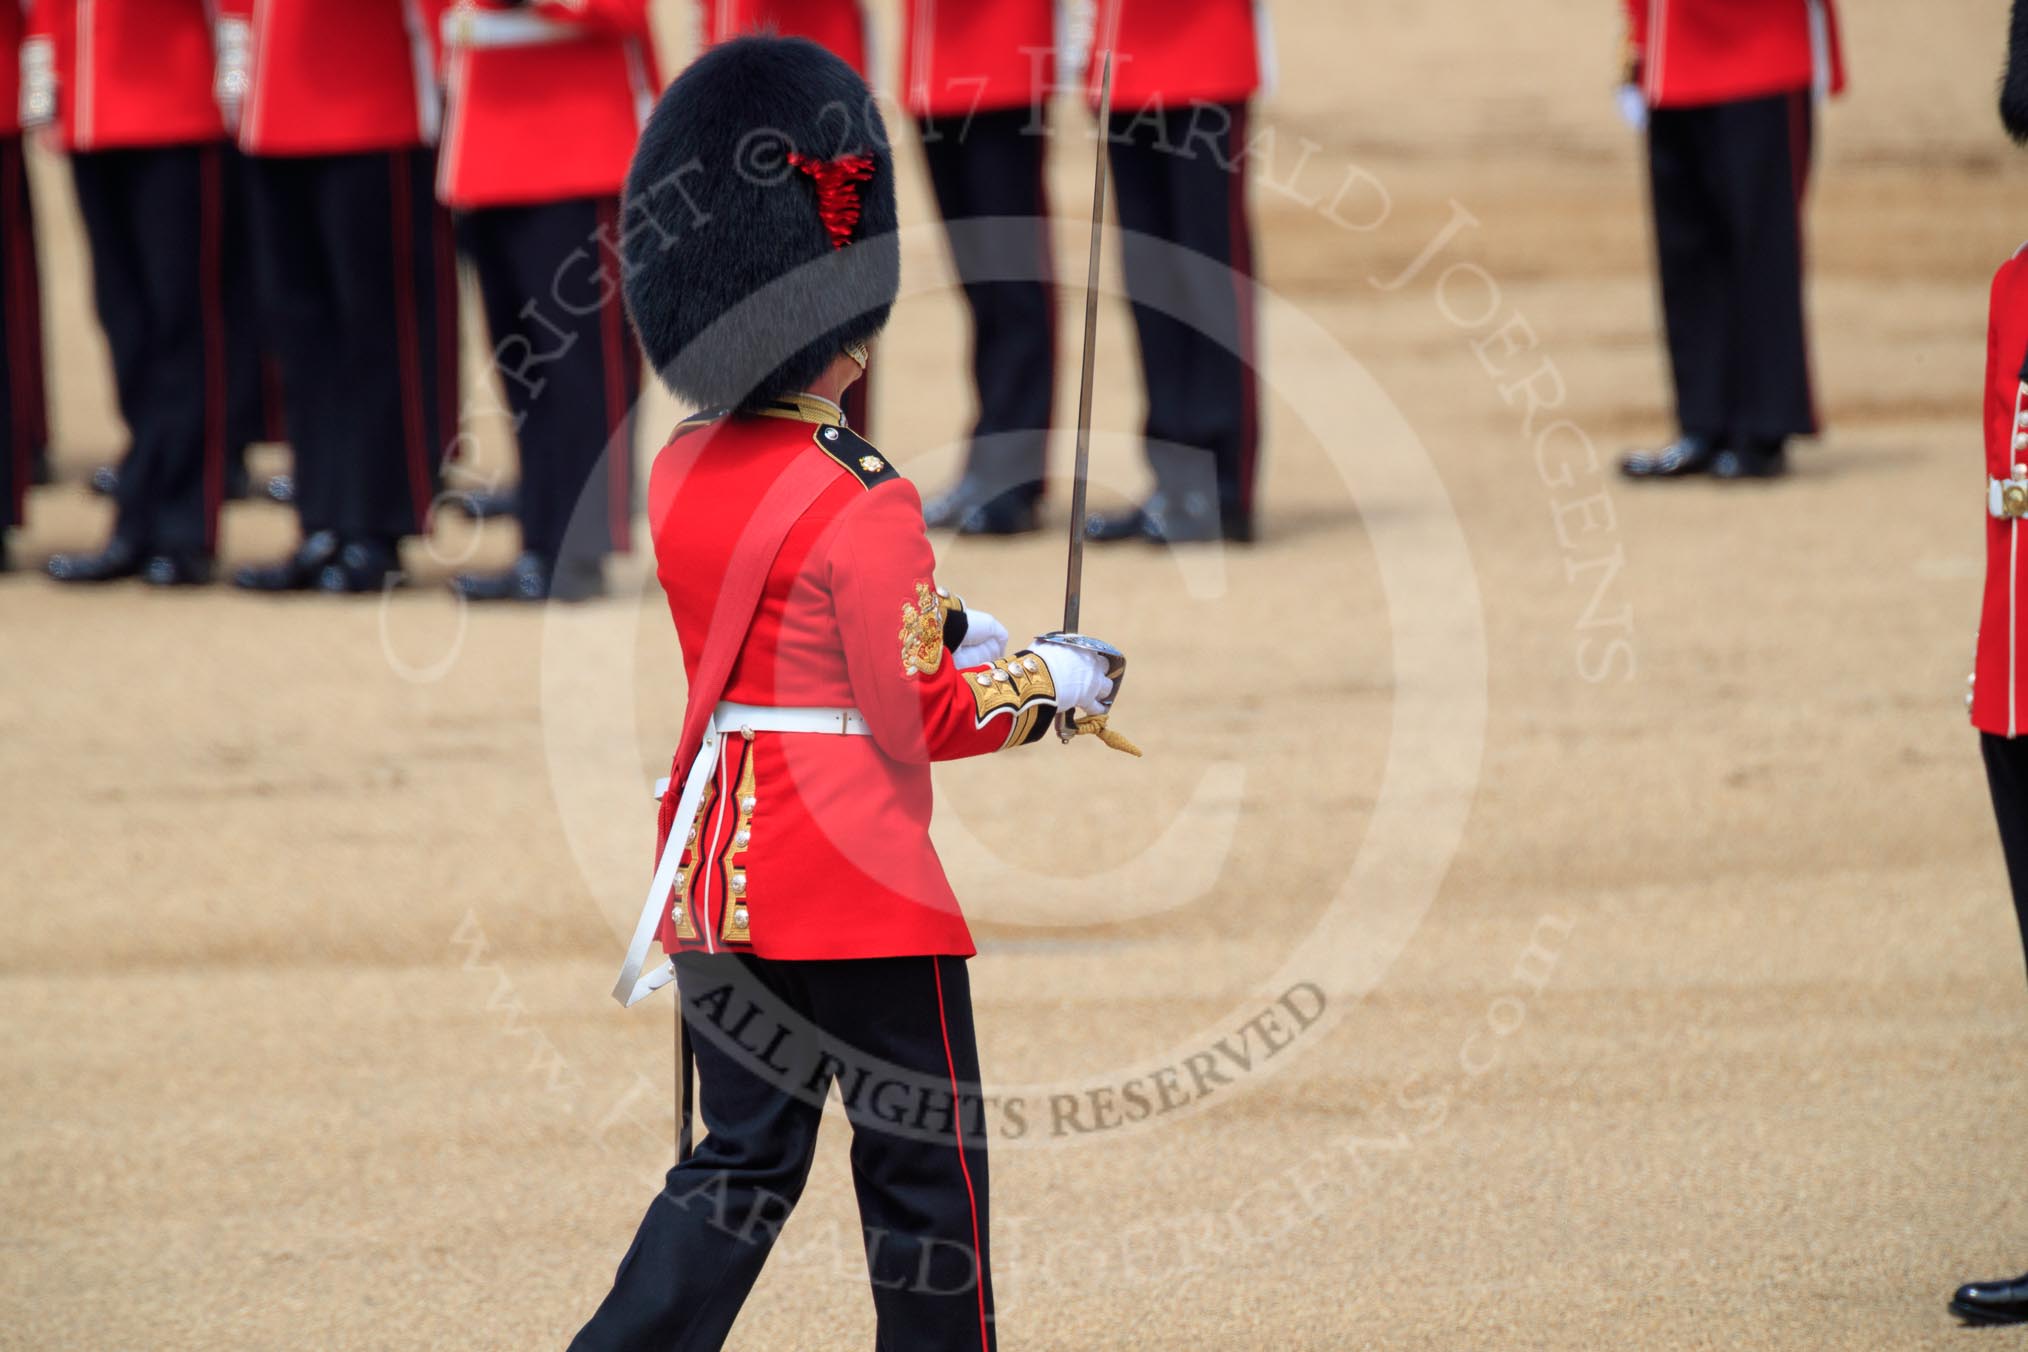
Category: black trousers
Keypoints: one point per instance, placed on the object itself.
(358, 294)
(24, 426)
(2007, 776)
(987, 172)
(1728, 181)
(154, 219)
(253, 386)
(1180, 183)
(895, 1036)
(568, 364)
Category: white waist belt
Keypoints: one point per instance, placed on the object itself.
(504, 28)
(2007, 498)
(727, 720)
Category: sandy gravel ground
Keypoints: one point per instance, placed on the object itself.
(1635, 839)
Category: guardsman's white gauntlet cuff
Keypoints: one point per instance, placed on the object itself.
(985, 639)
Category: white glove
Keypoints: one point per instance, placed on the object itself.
(985, 639)
(1633, 107)
(1079, 677)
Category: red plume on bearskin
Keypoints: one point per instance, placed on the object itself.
(2014, 84)
(758, 224)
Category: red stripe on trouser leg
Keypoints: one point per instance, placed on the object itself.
(408, 350)
(211, 308)
(1242, 285)
(958, 1132)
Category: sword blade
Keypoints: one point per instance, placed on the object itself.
(1073, 582)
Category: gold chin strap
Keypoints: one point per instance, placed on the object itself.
(1095, 725)
(858, 353)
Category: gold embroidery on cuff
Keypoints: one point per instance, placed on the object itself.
(1014, 685)
(735, 929)
(922, 633)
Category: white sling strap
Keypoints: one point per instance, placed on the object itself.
(726, 720)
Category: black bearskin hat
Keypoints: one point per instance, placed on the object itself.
(758, 227)
(2014, 84)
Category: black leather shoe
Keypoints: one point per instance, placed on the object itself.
(1993, 1302)
(1159, 520)
(535, 578)
(484, 504)
(362, 566)
(967, 511)
(105, 480)
(119, 559)
(298, 572)
(176, 570)
(1753, 460)
(1681, 458)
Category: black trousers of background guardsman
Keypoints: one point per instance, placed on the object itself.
(895, 1035)
(1180, 185)
(358, 285)
(23, 425)
(1728, 181)
(2007, 776)
(154, 218)
(987, 171)
(568, 364)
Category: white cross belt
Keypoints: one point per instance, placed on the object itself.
(726, 720)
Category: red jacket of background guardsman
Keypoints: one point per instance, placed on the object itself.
(1694, 52)
(838, 26)
(959, 57)
(820, 843)
(2000, 678)
(339, 77)
(127, 73)
(1168, 53)
(546, 99)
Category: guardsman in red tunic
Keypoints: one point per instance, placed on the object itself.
(338, 107)
(1182, 77)
(1727, 90)
(814, 937)
(546, 100)
(977, 79)
(24, 429)
(1999, 693)
(126, 88)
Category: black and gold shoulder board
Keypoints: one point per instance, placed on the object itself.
(698, 420)
(855, 453)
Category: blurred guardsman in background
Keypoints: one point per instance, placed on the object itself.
(126, 87)
(976, 79)
(839, 27)
(813, 933)
(356, 271)
(1999, 693)
(1182, 76)
(24, 429)
(546, 101)
(1727, 90)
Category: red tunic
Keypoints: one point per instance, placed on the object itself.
(959, 57)
(546, 100)
(838, 26)
(128, 72)
(1693, 52)
(2000, 679)
(326, 78)
(1168, 53)
(820, 843)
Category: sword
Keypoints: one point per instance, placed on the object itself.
(1073, 583)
